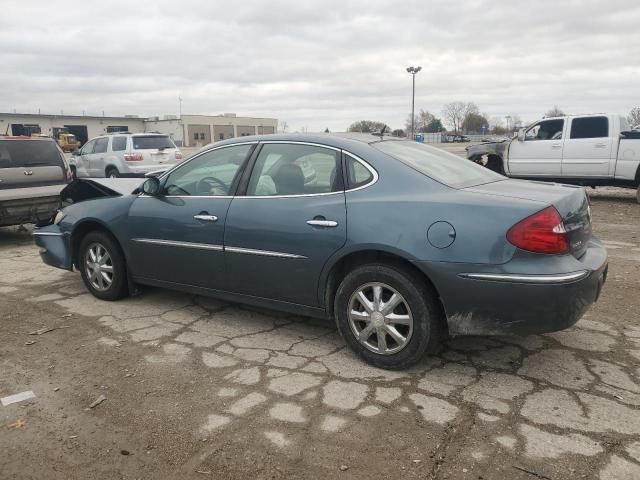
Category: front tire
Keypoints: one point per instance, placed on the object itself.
(102, 266)
(387, 316)
(112, 172)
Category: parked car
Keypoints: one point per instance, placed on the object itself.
(455, 139)
(125, 155)
(400, 242)
(592, 150)
(33, 171)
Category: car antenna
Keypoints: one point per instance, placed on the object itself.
(380, 133)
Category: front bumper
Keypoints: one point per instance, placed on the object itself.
(55, 247)
(493, 301)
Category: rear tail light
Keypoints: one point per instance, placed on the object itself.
(133, 157)
(542, 232)
(178, 155)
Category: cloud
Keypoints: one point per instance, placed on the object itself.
(319, 64)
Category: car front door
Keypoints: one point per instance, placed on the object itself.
(539, 154)
(97, 158)
(289, 221)
(83, 158)
(587, 150)
(177, 237)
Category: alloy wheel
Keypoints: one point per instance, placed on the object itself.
(99, 267)
(380, 318)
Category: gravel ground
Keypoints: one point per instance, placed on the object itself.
(199, 389)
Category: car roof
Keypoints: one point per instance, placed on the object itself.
(337, 140)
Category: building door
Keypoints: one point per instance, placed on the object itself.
(80, 131)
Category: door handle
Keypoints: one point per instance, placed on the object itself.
(556, 146)
(322, 223)
(206, 217)
(600, 145)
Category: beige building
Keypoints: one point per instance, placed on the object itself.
(188, 131)
(199, 130)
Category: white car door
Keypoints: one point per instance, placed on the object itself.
(82, 160)
(97, 162)
(539, 154)
(587, 149)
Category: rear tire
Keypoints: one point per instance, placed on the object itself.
(112, 172)
(102, 266)
(395, 337)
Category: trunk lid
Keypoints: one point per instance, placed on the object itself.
(570, 201)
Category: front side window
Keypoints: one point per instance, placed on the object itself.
(211, 174)
(441, 166)
(545, 130)
(590, 127)
(88, 147)
(118, 144)
(290, 169)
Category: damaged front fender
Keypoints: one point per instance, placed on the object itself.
(87, 189)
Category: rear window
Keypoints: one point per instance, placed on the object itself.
(437, 164)
(152, 142)
(29, 153)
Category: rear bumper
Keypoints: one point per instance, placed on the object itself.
(139, 171)
(55, 248)
(23, 206)
(494, 302)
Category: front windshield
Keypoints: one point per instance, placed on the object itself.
(444, 167)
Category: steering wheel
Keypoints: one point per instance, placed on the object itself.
(211, 182)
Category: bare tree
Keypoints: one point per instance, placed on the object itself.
(416, 123)
(634, 117)
(424, 119)
(283, 126)
(555, 112)
(454, 114)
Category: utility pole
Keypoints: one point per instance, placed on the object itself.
(413, 71)
(179, 107)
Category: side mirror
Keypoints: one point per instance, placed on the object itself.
(521, 135)
(76, 152)
(151, 186)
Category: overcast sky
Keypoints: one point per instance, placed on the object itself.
(319, 64)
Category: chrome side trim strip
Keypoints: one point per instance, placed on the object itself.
(265, 253)
(372, 170)
(523, 278)
(47, 234)
(171, 243)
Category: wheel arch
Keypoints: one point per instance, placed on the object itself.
(82, 229)
(341, 266)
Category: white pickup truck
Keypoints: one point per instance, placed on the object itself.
(592, 150)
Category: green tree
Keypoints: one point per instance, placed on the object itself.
(398, 132)
(367, 126)
(434, 126)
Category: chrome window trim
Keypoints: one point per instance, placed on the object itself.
(265, 253)
(524, 278)
(48, 234)
(172, 243)
(372, 170)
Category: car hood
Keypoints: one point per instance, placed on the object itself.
(86, 189)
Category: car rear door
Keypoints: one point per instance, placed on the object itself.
(539, 154)
(177, 237)
(587, 150)
(30, 163)
(288, 221)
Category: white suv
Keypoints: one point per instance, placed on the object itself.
(125, 155)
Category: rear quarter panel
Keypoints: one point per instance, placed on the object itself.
(628, 160)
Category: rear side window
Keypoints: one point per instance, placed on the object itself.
(441, 166)
(118, 144)
(590, 127)
(357, 173)
(29, 153)
(152, 142)
(101, 145)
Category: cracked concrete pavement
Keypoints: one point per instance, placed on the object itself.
(197, 388)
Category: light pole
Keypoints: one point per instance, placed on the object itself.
(413, 71)
(508, 117)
